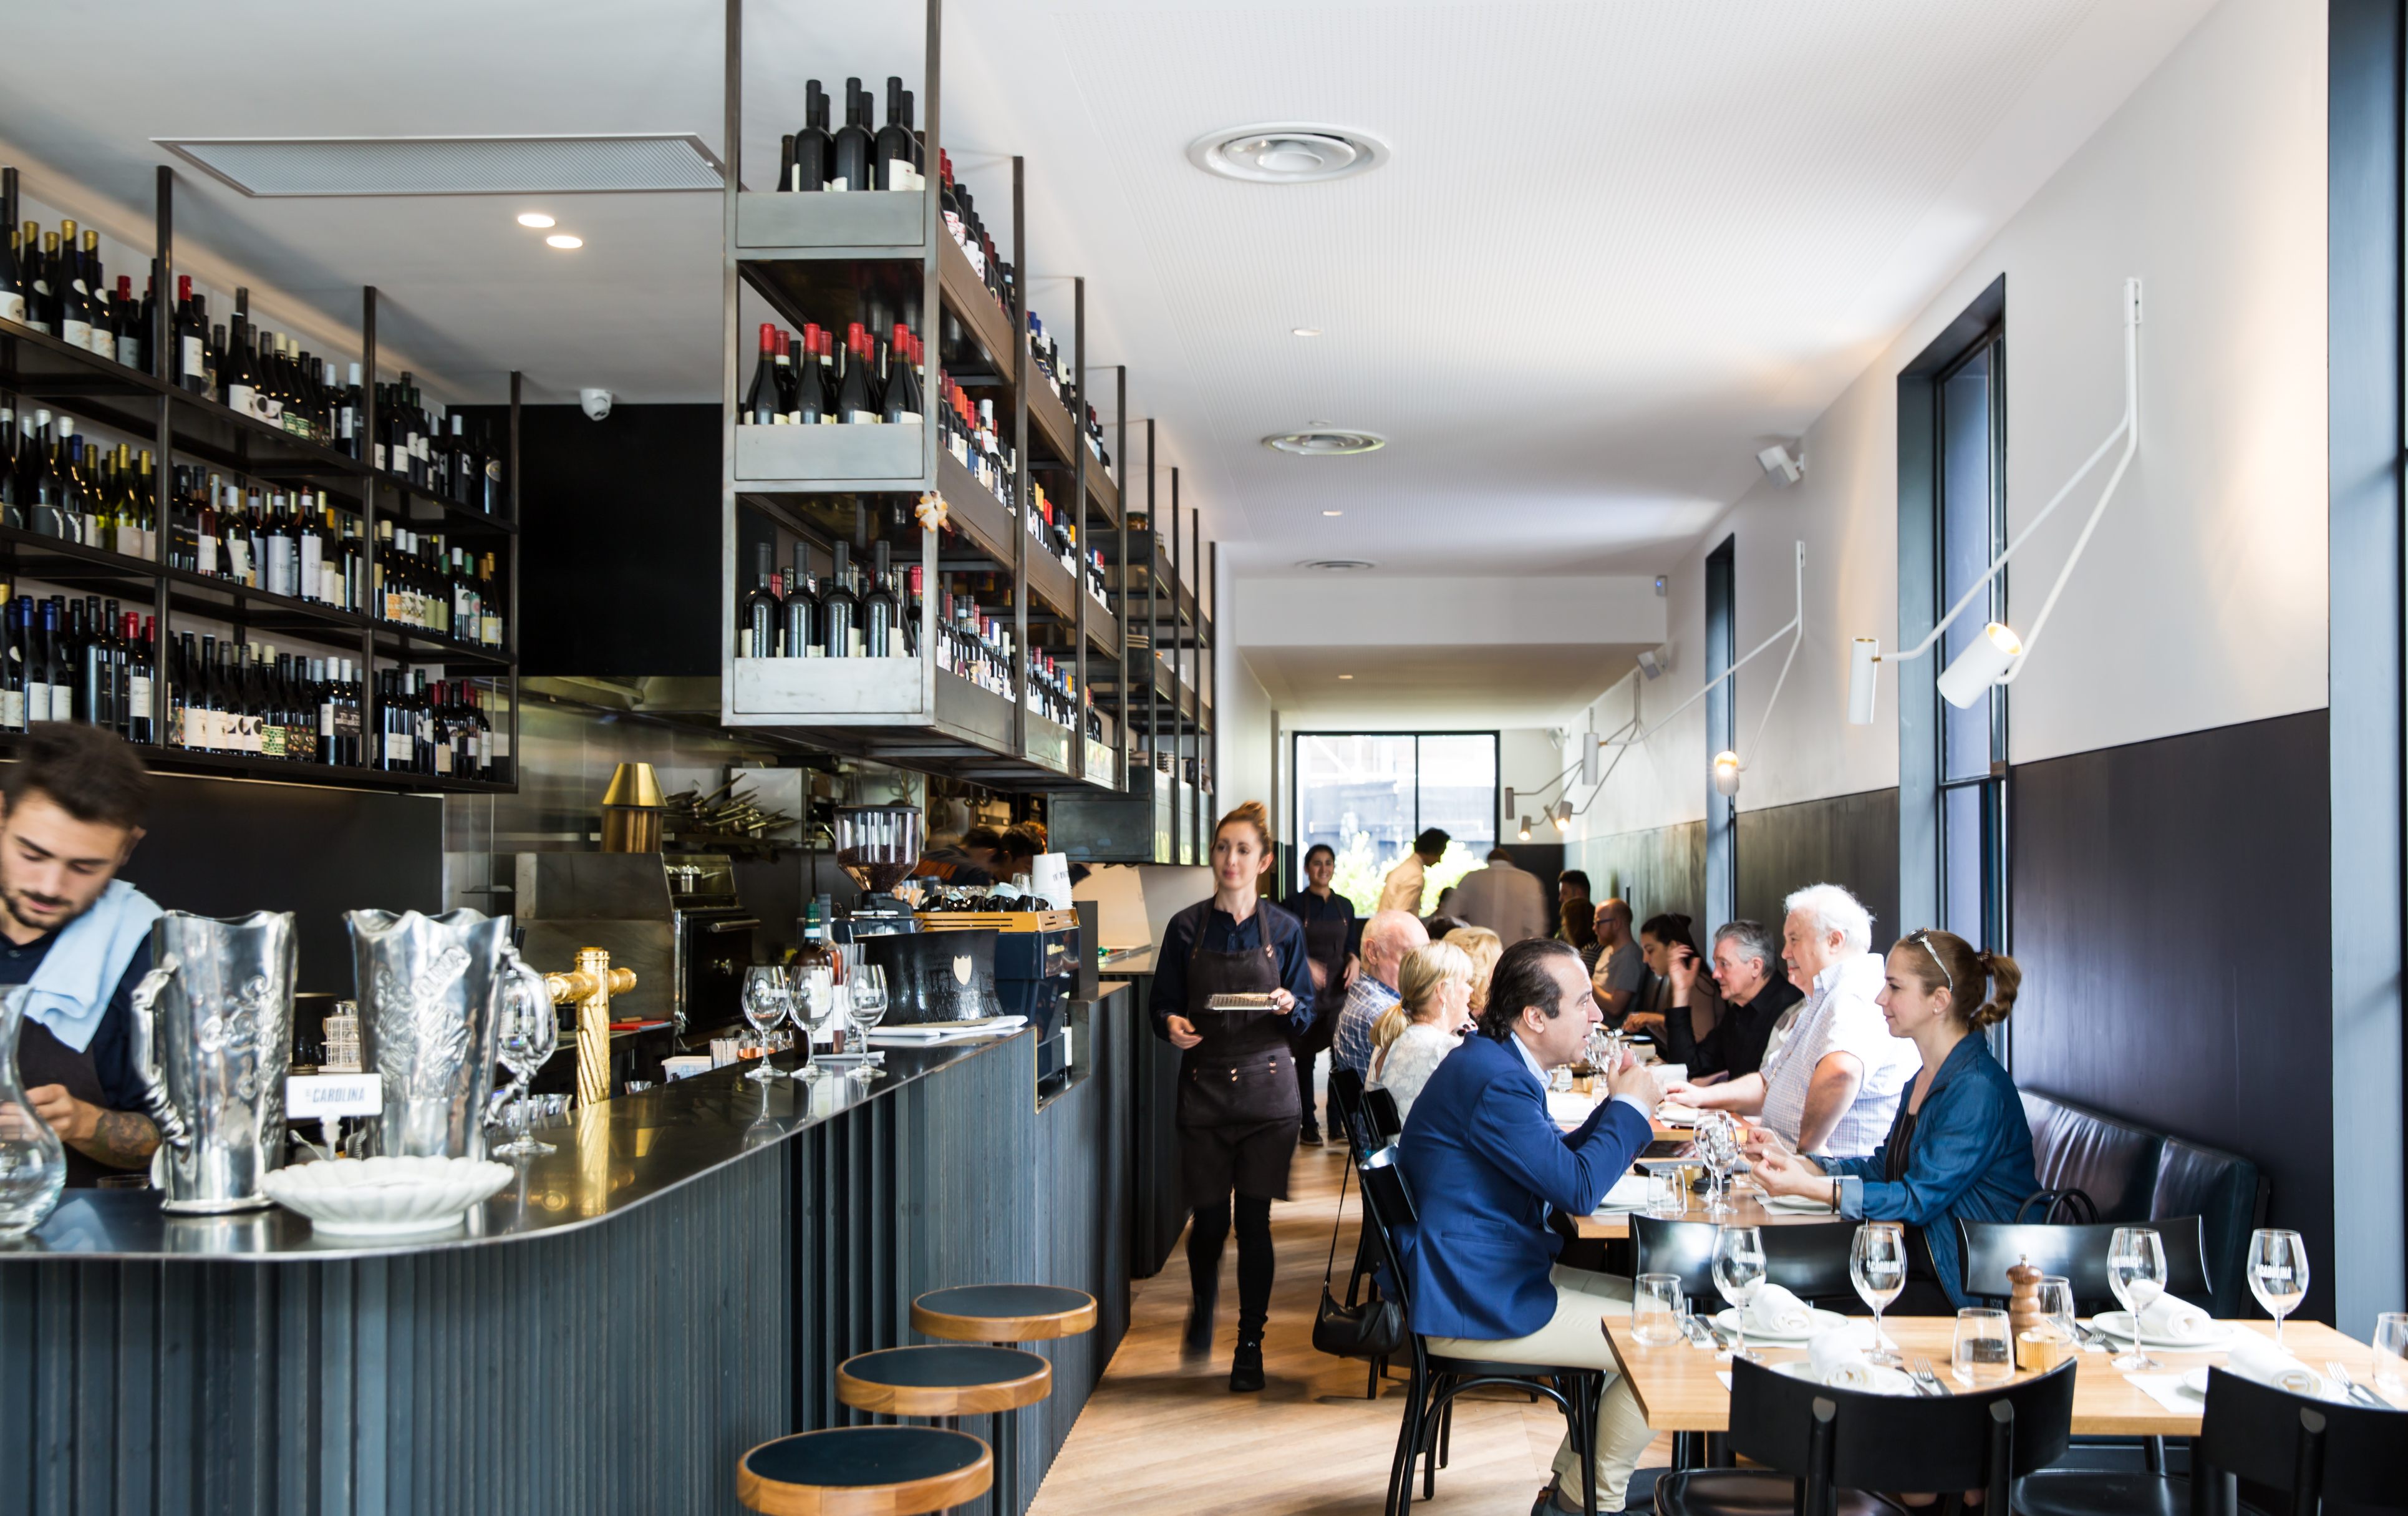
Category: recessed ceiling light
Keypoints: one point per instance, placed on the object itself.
(1286, 152)
(536, 218)
(1308, 331)
(1346, 676)
(1338, 566)
(1333, 512)
(1327, 443)
(562, 240)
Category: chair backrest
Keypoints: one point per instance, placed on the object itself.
(1387, 1204)
(1989, 1249)
(1979, 1439)
(1379, 1109)
(1809, 1259)
(2346, 1456)
(1346, 1101)
(2113, 1162)
(2228, 1194)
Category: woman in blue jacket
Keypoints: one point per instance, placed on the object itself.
(1959, 1145)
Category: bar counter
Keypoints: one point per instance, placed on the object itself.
(675, 1284)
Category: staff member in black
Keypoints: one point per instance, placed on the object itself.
(79, 938)
(1329, 931)
(1238, 1107)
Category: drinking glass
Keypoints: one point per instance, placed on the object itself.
(2136, 1271)
(1877, 1264)
(2055, 1303)
(2391, 1352)
(1668, 1193)
(1717, 1139)
(765, 1007)
(867, 1007)
(1984, 1352)
(527, 1032)
(1739, 1270)
(2278, 1273)
(1657, 1308)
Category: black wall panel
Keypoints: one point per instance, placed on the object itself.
(1848, 840)
(1667, 866)
(2170, 915)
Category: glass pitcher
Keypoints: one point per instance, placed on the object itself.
(33, 1161)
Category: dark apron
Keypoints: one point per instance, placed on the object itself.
(1237, 1108)
(42, 1059)
(1324, 941)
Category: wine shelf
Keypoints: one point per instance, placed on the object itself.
(162, 760)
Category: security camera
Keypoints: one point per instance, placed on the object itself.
(1779, 463)
(596, 403)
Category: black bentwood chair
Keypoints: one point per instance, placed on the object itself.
(2325, 1455)
(1809, 1259)
(2079, 1254)
(1825, 1450)
(1429, 1400)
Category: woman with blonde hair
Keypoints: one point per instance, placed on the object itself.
(1483, 947)
(1413, 1034)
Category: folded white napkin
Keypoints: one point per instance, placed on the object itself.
(1629, 1192)
(1837, 1362)
(1671, 1115)
(2253, 1357)
(2173, 1318)
(1776, 1312)
(1667, 1074)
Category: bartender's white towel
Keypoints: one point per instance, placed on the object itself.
(72, 986)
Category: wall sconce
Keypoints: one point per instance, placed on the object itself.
(1726, 767)
(1524, 833)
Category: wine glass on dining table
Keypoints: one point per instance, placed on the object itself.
(1739, 1273)
(2278, 1273)
(1877, 1266)
(1718, 1138)
(2136, 1271)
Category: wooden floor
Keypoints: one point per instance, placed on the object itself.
(1163, 1437)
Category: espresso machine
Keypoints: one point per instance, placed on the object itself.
(879, 847)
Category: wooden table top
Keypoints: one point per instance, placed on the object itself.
(1746, 1210)
(1677, 1388)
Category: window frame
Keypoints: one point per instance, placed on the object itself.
(1295, 782)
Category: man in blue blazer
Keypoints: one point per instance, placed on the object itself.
(1486, 1163)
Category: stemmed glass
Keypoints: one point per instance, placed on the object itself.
(2278, 1273)
(801, 1015)
(814, 992)
(765, 1007)
(867, 1008)
(527, 1031)
(1877, 1264)
(1717, 1138)
(1739, 1270)
(2136, 1271)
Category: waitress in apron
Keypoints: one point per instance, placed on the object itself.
(1328, 919)
(1238, 1107)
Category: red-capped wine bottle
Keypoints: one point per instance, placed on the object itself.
(761, 404)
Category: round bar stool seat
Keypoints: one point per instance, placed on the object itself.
(865, 1471)
(943, 1380)
(1003, 1312)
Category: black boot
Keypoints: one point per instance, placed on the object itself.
(1196, 1342)
(1310, 1135)
(1246, 1369)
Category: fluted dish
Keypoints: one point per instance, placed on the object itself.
(386, 1197)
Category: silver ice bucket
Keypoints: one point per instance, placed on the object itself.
(212, 1040)
(426, 988)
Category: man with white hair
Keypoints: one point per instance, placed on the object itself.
(1833, 1084)
(1387, 937)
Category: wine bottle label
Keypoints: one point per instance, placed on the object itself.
(271, 741)
(499, 745)
(101, 342)
(396, 747)
(192, 357)
(63, 702)
(77, 333)
(195, 728)
(13, 307)
(243, 399)
(12, 709)
(129, 351)
(900, 175)
(907, 418)
(380, 456)
(840, 184)
(137, 704)
(347, 722)
(744, 641)
(129, 541)
(443, 758)
(861, 418)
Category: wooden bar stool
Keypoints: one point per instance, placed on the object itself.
(1000, 1315)
(945, 1379)
(865, 1471)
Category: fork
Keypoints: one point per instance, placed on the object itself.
(2357, 1392)
(1923, 1374)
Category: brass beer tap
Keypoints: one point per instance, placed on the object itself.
(591, 984)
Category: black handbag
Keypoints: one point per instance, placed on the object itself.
(1375, 1328)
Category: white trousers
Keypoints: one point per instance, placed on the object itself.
(1575, 1339)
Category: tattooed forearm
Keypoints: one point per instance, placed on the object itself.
(122, 1139)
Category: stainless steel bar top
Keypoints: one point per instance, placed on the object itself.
(609, 1160)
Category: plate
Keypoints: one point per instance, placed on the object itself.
(1886, 1381)
(385, 1197)
(1796, 1205)
(1825, 1321)
(1671, 1115)
(2118, 1324)
(2195, 1380)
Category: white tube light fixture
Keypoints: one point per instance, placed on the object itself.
(1998, 655)
(1726, 767)
(1560, 814)
(1525, 833)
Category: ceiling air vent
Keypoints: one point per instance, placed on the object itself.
(1338, 566)
(1327, 442)
(276, 166)
(1286, 152)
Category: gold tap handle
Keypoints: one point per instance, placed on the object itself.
(591, 984)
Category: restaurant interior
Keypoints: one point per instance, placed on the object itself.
(1737, 672)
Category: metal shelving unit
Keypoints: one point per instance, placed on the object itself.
(185, 428)
(826, 259)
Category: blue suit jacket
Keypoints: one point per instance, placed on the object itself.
(1485, 1159)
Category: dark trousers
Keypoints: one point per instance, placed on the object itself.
(1305, 1059)
(1208, 1232)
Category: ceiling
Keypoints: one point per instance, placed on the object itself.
(1530, 685)
(1619, 247)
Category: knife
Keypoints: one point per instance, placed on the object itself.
(2357, 1392)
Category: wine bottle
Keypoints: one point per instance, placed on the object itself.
(761, 407)
(137, 634)
(790, 400)
(103, 340)
(42, 301)
(241, 385)
(855, 405)
(12, 660)
(800, 631)
(814, 149)
(839, 609)
(851, 165)
(902, 399)
(75, 300)
(877, 610)
(12, 281)
(893, 143)
(756, 616)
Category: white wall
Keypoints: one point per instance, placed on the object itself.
(2201, 600)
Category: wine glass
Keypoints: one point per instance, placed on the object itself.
(527, 1034)
(1877, 1264)
(2136, 1271)
(801, 1015)
(815, 1000)
(765, 1007)
(1718, 1145)
(1739, 1270)
(2278, 1273)
(867, 1008)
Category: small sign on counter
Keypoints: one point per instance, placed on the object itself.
(318, 1096)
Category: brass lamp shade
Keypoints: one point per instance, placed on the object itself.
(635, 784)
(631, 811)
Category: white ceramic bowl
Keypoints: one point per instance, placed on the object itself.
(385, 1197)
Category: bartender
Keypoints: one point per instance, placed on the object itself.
(71, 810)
(1328, 919)
(1238, 1107)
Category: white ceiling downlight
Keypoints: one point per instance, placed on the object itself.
(1287, 153)
(1339, 566)
(278, 167)
(1327, 442)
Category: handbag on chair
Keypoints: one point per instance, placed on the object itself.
(1373, 1329)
